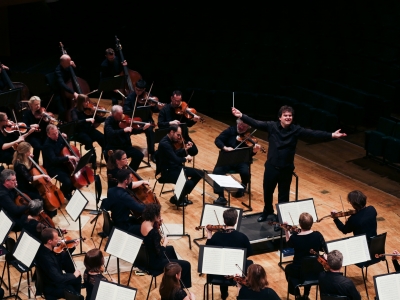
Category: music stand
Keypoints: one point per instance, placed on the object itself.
(112, 83)
(74, 208)
(6, 223)
(179, 186)
(83, 161)
(68, 128)
(9, 99)
(102, 290)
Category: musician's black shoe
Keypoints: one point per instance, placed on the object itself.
(153, 158)
(221, 201)
(262, 218)
(224, 295)
(172, 200)
(188, 201)
(239, 193)
(181, 204)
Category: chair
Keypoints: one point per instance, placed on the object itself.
(215, 280)
(333, 297)
(70, 295)
(142, 262)
(310, 270)
(160, 179)
(374, 142)
(39, 284)
(376, 246)
(107, 225)
(98, 188)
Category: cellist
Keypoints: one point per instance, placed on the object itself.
(54, 163)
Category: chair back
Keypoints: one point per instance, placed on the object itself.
(333, 297)
(39, 283)
(98, 187)
(107, 223)
(10, 245)
(142, 259)
(71, 295)
(377, 245)
(310, 269)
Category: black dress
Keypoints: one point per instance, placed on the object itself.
(265, 294)
(89, 281)
(179, 295)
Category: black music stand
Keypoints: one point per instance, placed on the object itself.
(83, 161)
(69, 129)
(9, 100)
(112, 83)
(4, 218)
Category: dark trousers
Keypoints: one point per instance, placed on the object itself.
(87, 139)
(65, 179)
(243, 169)
(276, 176)
(6, 156)
(293, 272)
(193, 175)
(193, 151)
(135, 155)
(113, 96)
(37, 145)
(186, 276)
(149, 132)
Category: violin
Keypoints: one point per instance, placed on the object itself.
(21, 127)
(150, 100)
(239, 279)
(248, 139)
(212, 227)
(292, 228)
(339, 214)
(46, 116)
(91, 108)
(321, 260)
(66, 243)
(184, 110)
(135, 123)
(385, 254)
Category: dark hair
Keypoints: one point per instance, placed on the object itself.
(170, 284)
(151, 211)
(112, 159)
(173, 128)
(80, 100)
(256, 277)
(35, 207)
(230, 216)
(306, 221)
(285, 108)
(335, 260)
(94, 261)
(47, 235)
(123, 175)
(176, 93)
(357, 199)
(110, 51)
(141, 84)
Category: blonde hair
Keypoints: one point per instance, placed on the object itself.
(19, 154)
(33, 99)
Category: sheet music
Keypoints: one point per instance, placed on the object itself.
(293, 210)
(26, 249)
(5, 225)
(123, 245)
(222, 261)
(225, 181)
(354, 249)
(388, 286)
(109, 291)
(180, 184)
(76, 205)
(209, 217)
(233, 257)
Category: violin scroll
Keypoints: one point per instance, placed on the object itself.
(212, 227)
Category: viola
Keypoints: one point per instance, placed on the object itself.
(66, 243)
(14, 85)
(339, 214)
(11, 127)
(321, 260)
(292, 228)
(91, 108)
(185, 110)
(52, 195)
(212, 227)
(250, 141)
(46, 116)
(135, 123)
(150, 100)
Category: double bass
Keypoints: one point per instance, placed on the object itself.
(14, 85)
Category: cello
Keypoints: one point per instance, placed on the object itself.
(131, 76)
(53, 197)
(14, 85)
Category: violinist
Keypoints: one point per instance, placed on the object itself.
(111, 67)
(257, 285)
(129, 105)
(302, 243)
(395, 260)
(170, 287)
(30, 221)
(168, 117)
(283, 136)
(159, 253)
(333, 282)
(121, 203)
(87, 134)
(227, 141)
(54, 163)
(55, 281)
(229, 237)
(170, 163)
(31, 117)
(8, 140)
(363, 221)
(117, 138)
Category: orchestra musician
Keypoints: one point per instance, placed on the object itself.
(333, 282)
(55, 281)
(37, 138)
(227, 141)
(158, 251)
(121, 203)
(168, 117)
(94, 264)
(87, 134)
(283, 136)
(2, 83)
(54, 163)
(170, 287)
(170, 163)
(117, 138)
(8, 140)
(363, 221)
(229, 237)
(257, 285)
(111, 67)
(395, 261)
(302, 243)
(129, 105)
(30, 221)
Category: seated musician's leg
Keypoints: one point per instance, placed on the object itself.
(136, 157)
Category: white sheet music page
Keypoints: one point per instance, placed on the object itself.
(26, 249)
(5, 225)
(124, 246)
(233, 257)
(225, 181)
(292, 210)
(388, 286)
(210, 214)
(109, 291)
(354, 249)
(180, 184)
(125, 293)
(76, 205)
(213, 259)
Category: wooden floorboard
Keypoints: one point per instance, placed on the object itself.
(324, 182)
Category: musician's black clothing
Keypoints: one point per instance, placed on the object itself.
(89, 281)
(116, 138)
(396, 265)
(334, 283)
(56, 164)
(167, 114)
(55, 281)
(121, 204)
(111, 69)
(6, 155)
(267, 293)
(36, 139)
(62, 76)
(7, 198)
(363, 222)
(179, 295)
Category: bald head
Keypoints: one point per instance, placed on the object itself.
(65, 61)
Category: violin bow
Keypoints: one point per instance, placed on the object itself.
(62, 235)
(291, 219)
(134, 109)
(246, 138)
(148, 94)
(16, 122)
(233, 100)
(345, 218)
(46, 109)
(217, 218)
(237, 266)
(180, 279)
(97, 106)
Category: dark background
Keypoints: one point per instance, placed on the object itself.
(338, 59)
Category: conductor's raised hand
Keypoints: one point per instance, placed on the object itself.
(236, 113)
(337, 134)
